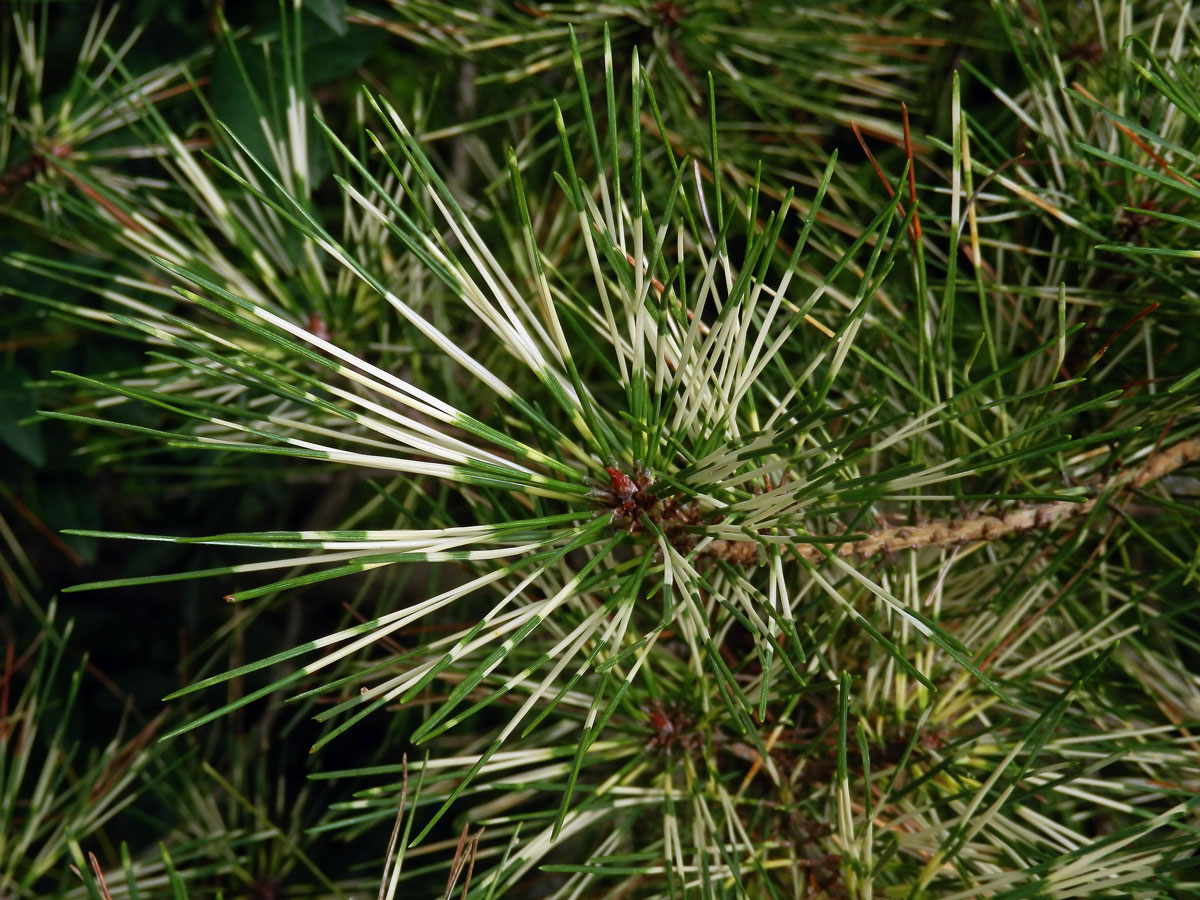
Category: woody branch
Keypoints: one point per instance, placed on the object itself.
(947, 532)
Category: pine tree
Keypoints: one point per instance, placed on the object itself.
(752, 443)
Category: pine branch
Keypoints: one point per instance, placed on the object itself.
(947, 532)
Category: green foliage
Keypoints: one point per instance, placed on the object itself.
(648, 450)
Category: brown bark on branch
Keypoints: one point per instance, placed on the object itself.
(947, 532)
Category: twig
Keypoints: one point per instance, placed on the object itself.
(948, 532)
